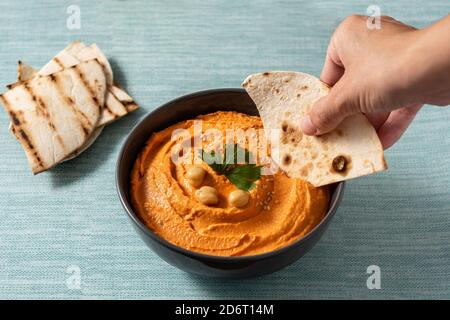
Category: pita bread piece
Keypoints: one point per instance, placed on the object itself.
(53, 116)
(94, 135)
(120, 93)
(115, 109)
(283, 98)
(94, 52)
(26, 72)
(118, 102)
(75, 53)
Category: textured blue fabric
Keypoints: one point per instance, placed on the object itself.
(71, 216)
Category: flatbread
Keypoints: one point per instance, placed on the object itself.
(75, 53)
(120, 93)
(94, 52)
(283, 98)
(74, 47)
(59, 62)
(118, 102)
(25, 72)
(53, 116)
(94, 135)
(115, 109)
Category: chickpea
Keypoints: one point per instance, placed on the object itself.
(238, 198)
(207, 195)
(195, 176)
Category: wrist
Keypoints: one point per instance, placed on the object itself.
(426, 66)
(410, 68)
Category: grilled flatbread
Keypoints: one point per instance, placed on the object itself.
(73, 54)
(59, 62)
(53, 116)
(118, 102)
(94, 52)
(120, 94)
(25, 72)
(283, 98)
(94, 135)
(115, 109)
(75, 47)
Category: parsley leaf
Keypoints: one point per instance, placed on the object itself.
(236, 163)
(244, 177)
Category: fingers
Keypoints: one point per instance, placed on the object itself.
(325, 113)
(396, 124)
(329, 111)
(355, 88)
(332, 69)
(331, 72)
(377, 119)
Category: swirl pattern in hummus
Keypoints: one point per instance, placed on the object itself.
(280, 211)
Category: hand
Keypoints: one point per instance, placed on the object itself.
(387, 74)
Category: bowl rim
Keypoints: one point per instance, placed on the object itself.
(339, 191)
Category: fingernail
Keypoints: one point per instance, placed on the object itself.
(307, 126)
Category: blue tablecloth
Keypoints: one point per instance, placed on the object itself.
(68, 221)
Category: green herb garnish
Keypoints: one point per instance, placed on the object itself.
(236, 163)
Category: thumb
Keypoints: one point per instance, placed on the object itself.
(329, 111)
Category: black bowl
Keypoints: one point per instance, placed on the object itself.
(188, 107)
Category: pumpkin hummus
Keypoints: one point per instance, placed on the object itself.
(279, 211)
